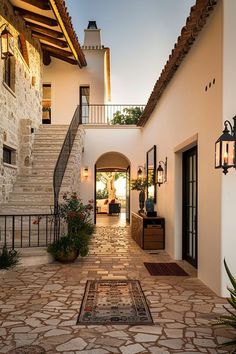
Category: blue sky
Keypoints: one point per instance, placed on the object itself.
(141, 35)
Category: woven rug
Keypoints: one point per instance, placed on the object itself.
(165, 269)
(114, 302)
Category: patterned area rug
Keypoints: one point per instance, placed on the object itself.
(114, 302)
(165, 269)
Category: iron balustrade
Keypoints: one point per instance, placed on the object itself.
(33, 230)
(64, 155)
(109, 114)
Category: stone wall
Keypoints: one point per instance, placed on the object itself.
(20, 110)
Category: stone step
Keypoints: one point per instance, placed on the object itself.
(54, 126)
(48, 188)
(47, 137)
(46, 197)
(49, 142)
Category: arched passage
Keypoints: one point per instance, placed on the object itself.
(112, 189)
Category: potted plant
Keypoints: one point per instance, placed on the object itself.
(77, 216)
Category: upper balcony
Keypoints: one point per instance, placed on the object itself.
(101, 114)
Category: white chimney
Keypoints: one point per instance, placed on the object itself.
(92, 36)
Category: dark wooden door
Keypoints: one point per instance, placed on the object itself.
(190, 212)
(128, 194)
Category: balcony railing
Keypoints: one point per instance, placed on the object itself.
(110, 114)
(32, 230)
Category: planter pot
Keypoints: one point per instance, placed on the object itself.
(67, 257)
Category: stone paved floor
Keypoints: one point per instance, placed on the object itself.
(39, 305)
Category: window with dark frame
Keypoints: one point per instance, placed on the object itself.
(9, 75)
(84, 103)
(7, 155)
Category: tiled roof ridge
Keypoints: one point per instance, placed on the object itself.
(61, 6)
(194, 24)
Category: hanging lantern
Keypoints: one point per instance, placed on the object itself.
(225, 148)
(7, 44)
(161, 175)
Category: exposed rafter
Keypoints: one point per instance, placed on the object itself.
(49, 39)
(35, 17)
(44, 30)
(58, 51)
(43, 5)
(61, 57)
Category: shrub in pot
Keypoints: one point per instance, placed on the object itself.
(78, 218)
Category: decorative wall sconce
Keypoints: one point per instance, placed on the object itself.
(7, 43)
(161, 176)
(140, 172)
(225, 147)
(85, 173)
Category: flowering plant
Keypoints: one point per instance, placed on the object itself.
(76, 214)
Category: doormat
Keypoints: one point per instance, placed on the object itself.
(114, 302)
(165, 269)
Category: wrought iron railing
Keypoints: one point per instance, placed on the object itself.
(33, 230)
(64, 155)
(111, 114)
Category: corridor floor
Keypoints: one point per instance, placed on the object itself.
(39, 305)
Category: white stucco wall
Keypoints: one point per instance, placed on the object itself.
(103, 139)
(66, 79)
(185, 115)
(229, 111)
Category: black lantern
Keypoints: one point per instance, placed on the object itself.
(140, 172)
(161, 176)
(7, 44)
(225, 147)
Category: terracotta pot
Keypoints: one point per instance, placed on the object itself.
(67, 257)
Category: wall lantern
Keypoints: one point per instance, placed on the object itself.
(225, 147)
(140, 172)
(85, 173)
(7, 43)
(161, 175)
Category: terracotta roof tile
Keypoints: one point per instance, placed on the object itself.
(194, 24)
(61, 6)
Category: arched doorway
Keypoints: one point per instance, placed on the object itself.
(112, 189)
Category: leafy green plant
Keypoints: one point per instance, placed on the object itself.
(70, 243)
(139, 184)
(230, 319)
(129, 116)
(102, 194)
(8, 259)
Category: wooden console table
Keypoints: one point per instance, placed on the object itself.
(148, 232)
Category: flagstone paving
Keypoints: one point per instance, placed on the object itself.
(39, 305)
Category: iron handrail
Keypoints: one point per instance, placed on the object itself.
(64, 155)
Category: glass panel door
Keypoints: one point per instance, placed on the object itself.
(190, 206)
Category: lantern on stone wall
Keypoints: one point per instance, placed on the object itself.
(7, 44)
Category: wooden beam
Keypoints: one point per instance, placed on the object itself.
(61, 57)
(55, 50)
(46, 58)
(43, 5)
(45, 30)
(49, 39)
(35, 17)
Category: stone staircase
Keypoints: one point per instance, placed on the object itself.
(33, 190)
